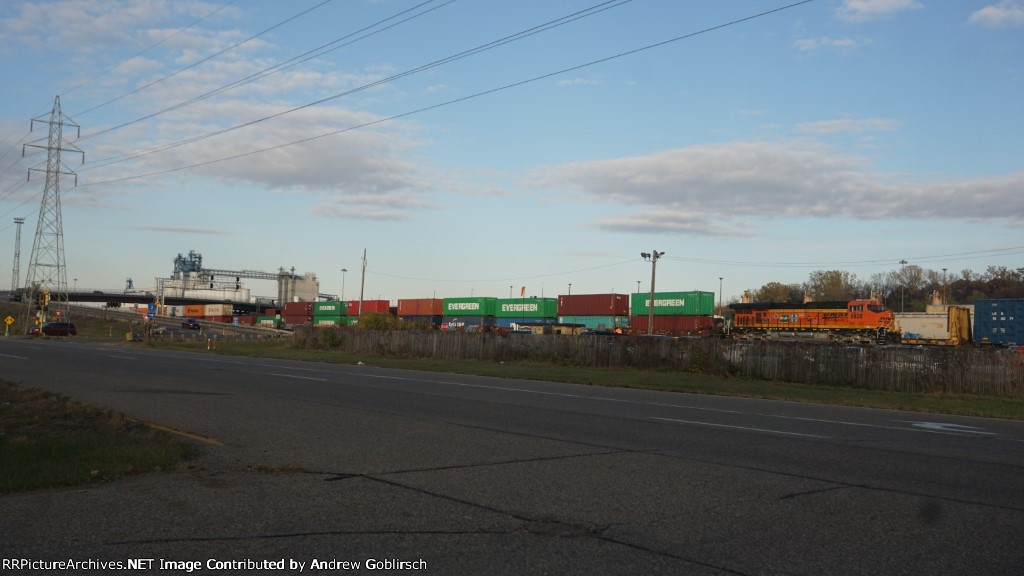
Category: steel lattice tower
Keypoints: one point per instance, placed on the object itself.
(47, 279)
(16, 269)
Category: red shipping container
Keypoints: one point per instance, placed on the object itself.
(672, 325)
(297, 320)
(593, 305)
(246, 320)
(378, 306)
(298, 309)
(421, 307)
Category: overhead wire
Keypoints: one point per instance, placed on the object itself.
(144, 50)
(453, 101)
(1010, 250)
(596, 9)
(202, 60)
(506, 278)
(317, 52)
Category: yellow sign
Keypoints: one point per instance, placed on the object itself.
(9, 320)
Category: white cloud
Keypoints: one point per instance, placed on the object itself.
(732, 188)
(863, 10)
(849, 125)
(811, 45)
(1007, 13)
(577, 82)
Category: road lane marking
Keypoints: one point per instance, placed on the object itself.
(947, 427)
(121, 357)
(13, 356)
(738, 427)
(300, 377)
(189, 435)
(668, 405)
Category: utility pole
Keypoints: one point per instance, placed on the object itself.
(653, 258)
(16, 270)
(47, 273)
(362, 284)
(903, 281)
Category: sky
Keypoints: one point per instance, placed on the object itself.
(488, 148)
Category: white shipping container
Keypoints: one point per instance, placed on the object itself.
(924, 326)
(218, 310)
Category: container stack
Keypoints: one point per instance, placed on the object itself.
(675, 313)
(469, 314)
(528, 311)
(218, 312)
(297, 313)
(999, 321)
(330, 313)
(427, 310)
(594, 311)
(369, 307)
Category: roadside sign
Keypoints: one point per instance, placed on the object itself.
(9, 320)
(57, 313)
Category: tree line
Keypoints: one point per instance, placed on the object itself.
(909, 288)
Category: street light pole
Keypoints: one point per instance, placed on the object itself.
(343, 270)
(903, 281)
(653, 258)
(720, 311)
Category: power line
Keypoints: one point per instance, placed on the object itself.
(506, 278)
(143, 51)
(284, 65)
(206, 59)
(443, 104)
(465, 54)
(1011, 250)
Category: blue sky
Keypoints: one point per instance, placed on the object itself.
(832, 134)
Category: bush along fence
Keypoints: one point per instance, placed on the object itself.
(949, 370)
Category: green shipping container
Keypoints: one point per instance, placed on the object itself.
(470, 307)
(268, 321)
(674, 304)
(527, 308)
(330, 320)
(330, 308)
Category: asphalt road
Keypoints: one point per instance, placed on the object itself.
(462, 475)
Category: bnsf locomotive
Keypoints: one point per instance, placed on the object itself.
(866, 321)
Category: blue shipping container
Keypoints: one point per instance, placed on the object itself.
(508, 322)
(999, 322)
(467, 323)
(430, 320)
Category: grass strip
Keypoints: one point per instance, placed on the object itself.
(48, 441)
(958, 404)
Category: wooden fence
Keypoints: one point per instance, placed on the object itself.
(953, 370)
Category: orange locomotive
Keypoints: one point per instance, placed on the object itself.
(856, 320)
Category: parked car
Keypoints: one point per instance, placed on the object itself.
(55, 329)
(191, 324)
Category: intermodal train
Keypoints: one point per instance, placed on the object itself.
(862, 321)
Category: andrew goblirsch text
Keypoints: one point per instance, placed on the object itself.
(190, 566)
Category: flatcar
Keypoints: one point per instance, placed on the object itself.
(861, 321)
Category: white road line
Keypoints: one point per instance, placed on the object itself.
(737, 427)
(300, 377)
(13, 356)
(121, 357)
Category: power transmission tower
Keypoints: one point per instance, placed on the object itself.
(47, 282)
(16, 270)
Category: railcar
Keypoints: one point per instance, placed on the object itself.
(861, 321)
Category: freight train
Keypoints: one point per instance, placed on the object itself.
(861, 321)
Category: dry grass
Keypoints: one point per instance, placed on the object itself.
(48, 441)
